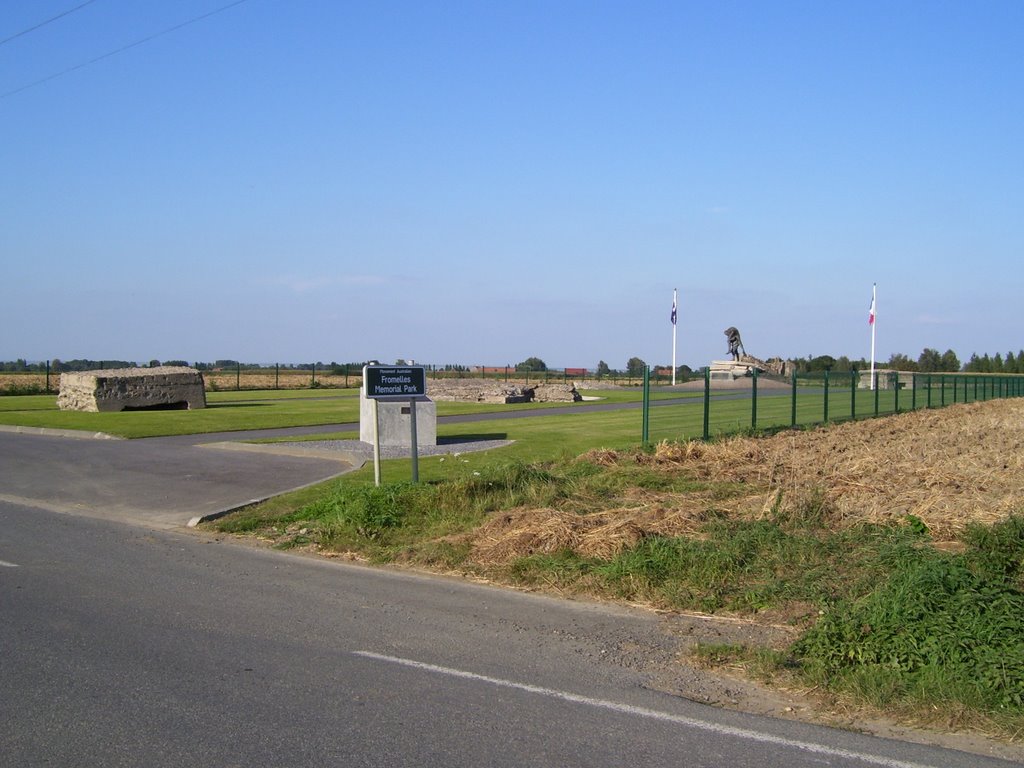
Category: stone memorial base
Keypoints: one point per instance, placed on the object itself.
(729, 370)
(127, 389)
(394, 421)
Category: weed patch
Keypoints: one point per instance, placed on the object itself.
(942, 626)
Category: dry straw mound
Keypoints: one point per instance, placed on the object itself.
(523, 532)
(948, 467)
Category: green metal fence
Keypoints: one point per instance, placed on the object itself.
(761, 403)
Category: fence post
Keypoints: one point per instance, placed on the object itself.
(792, 382)
(895, 378)
(753, 400)
(312, 382)
(47, 376)
(645, 429)
(277, 375)
(875, 382)
(854, 381)
(942, 390)
(238, 376)
(913, 391)
(707, 402)
(825, 413)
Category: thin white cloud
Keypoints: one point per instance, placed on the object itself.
(933, 320)
(303, 284)
(365, 280)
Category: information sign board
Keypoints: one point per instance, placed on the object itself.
(382, 382)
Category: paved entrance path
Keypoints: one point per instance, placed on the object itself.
(158, 482)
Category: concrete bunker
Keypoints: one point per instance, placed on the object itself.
(132, 389)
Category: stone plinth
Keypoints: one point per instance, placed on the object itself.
(121, 389)
(394, 421)
(729, 370)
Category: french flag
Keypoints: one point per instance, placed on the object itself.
(871, 312)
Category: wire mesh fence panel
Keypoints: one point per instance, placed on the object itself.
(758, 404)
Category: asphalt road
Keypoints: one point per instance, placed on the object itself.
(125, 646)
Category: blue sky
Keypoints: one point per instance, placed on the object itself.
(480, 182)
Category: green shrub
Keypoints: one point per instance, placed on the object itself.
(997, 551)
(946, 626)
(370, 511)
(23, 389)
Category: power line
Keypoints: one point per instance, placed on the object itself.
(44, 23)
(122, 49)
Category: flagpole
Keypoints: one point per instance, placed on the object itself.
(871, 319)
(673, 337)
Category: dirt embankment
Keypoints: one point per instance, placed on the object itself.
(947, 468)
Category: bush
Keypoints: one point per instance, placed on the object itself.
(368, 510)
(943, 626)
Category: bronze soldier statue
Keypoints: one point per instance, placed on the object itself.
(735, 343)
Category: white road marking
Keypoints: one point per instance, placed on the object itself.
(725, 730)
(5, 564)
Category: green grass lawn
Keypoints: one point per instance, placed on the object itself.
(225, 411)
(229, 411)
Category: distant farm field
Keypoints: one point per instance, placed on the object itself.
(25, 382)
(19, 383)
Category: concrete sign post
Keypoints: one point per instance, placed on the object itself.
(395, 383)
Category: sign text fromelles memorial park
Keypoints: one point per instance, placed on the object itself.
(394, 382)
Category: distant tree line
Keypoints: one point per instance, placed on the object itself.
(22, 366)
(997, 363)
(929, 361)
(59, 366)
